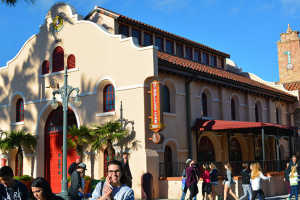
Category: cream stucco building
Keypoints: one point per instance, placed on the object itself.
(113, 58)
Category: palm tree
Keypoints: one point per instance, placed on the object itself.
(20, 140)
(79, 138)
(104, 135)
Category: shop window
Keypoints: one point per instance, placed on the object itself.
(165, 96)
(169, 47)
(58, 59)
(188, 53)
(19, 110)
(205, 150)
(108, 98)
(124, 30)
(159, 43)
(168, 162)
(148, 40)
(71, 61)
(179, 50)
(233, 109)
(137, 34)
(45, 67)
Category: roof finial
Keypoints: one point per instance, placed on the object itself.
(289, 30)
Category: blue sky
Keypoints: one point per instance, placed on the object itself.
(247, 30)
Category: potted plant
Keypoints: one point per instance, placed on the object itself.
(26, 180)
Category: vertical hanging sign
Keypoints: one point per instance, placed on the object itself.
(156, 119)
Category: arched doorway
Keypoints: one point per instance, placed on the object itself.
(107, 158)
(168, 161)
(206, 150)
(53, 147)
(235, 150)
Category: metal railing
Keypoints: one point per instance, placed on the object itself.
(175, 169)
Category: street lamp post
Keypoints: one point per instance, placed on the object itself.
(65, 93)
(124, 122)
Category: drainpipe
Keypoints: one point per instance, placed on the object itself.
(188, 117)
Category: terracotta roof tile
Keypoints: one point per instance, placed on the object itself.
(292, 86)
(217, 72)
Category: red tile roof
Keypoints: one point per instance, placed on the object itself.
(292, 86)
(188, 64)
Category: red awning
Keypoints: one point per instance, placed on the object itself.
(215, 125)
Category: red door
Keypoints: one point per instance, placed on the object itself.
(53, 148)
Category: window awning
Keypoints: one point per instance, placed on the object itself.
(241, 126)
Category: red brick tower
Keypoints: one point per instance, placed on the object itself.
(289, 56)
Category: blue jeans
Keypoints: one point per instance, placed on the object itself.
(184, 194)
(294, 191)
(247, 191)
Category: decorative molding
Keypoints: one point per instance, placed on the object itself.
(17, 123)
(105, 114)
(130, 87)
(60, 72)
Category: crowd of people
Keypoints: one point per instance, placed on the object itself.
(116, 186)
(251, 177)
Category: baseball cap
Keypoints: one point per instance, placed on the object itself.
(188, 161)
(82, 165)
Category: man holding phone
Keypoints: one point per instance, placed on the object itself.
(114, 187)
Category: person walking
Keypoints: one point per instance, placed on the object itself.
(183, 178)
(76, 189)
(286, 178)
(192, 177)
(213, 174)
(245, 173)
(11, 189)
(228, 182)
(114, 187)
(74, 165)
(293, 176)
(256, 177)
(41, 190)
(294, 162)
(206, 184)
(126, 168)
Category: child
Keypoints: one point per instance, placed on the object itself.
(294, 182)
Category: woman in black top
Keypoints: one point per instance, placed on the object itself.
(246, 181)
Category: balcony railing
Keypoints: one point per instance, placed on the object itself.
(174, 169)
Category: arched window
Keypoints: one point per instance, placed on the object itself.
(108, 98)
(206, 150)
(19, 110)
(58, 59)
(235, 150)
(19, 163)
(165, 97)
(71, 61)
(168, 161)
(204, 105)
(45, 67)
(233, 110)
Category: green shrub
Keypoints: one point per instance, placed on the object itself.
(23, 178)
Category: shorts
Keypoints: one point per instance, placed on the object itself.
(206, 188)
(227, 183)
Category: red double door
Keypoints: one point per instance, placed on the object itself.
(53, 148)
